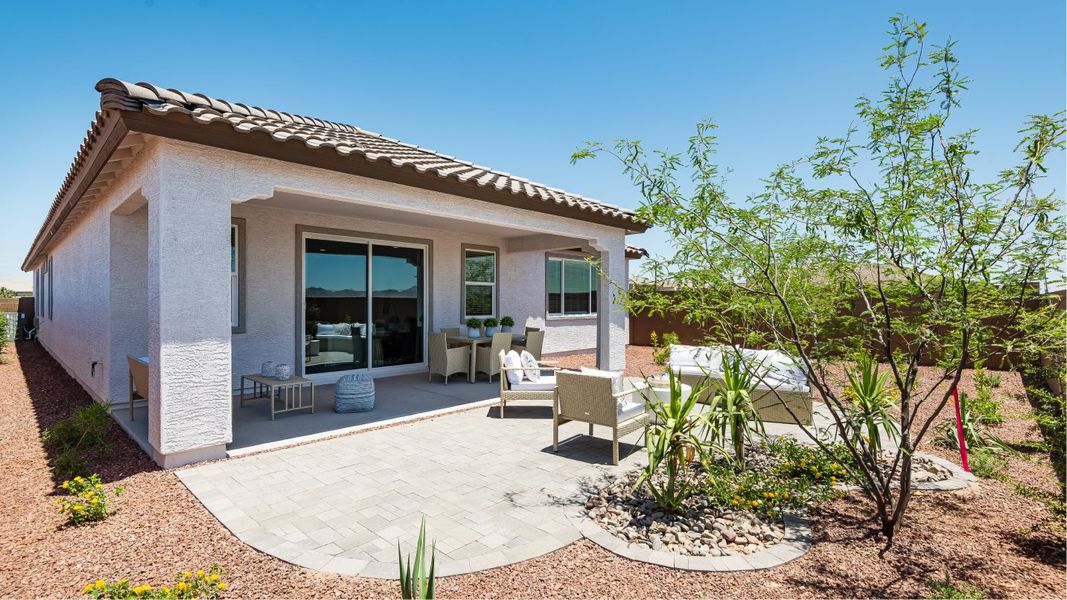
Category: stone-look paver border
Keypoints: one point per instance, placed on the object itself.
(796, 543)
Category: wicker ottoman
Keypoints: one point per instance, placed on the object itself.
(354, 393)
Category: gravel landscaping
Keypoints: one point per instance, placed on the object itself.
(701, 530)
(992, 536)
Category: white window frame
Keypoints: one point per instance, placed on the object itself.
(238, 293)
(593, 288)
(492, 286)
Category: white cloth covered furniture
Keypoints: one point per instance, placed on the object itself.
(782, 377)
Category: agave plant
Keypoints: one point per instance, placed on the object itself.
(415, 582)
(731, 414)
(976, 434)
(672, 443)
(872, 398)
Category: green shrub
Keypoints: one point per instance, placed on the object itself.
(975, 433)
(69, 438)
(672, 445)
(985, 378)
(985, 407)
(731, 414)
(661, 348)
(87, 500)
(871, 399)
(473, 323)
(988, 463)
(415, 582)
(491, 322)
(949, 590)
(201, 584)
(507, 321)
(799, 476)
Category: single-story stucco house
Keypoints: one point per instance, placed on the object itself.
(211, 236)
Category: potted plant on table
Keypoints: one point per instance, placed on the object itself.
(506, 323)
(474, 327)
(492, 326)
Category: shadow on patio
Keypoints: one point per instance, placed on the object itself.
(397, 399)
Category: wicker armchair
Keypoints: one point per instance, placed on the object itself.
(590, 399)
(138, 380)
(487, 360)
(447, 361)
(545, 389)
(535, 342)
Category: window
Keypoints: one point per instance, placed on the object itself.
(479, 283)
(237, 264)
(51, 271)
(572, 287)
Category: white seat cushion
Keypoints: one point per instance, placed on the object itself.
(512, 361)
(547, 383)
(629, 410)
(531, 369)
(615, 376)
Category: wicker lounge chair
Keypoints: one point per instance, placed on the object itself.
(591, 399)
(545, 389)
(447, 361)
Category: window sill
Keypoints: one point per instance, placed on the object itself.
(585, 317)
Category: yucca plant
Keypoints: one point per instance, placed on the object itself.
(976, 433)
(671, 442)
(415, 582)
(868, 415)
(731, 414)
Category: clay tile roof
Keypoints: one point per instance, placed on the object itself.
(344, 139)
(635, 252)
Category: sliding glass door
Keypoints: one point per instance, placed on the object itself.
(345, 328)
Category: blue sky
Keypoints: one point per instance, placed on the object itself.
(515, 86)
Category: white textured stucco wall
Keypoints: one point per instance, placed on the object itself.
(191, 193)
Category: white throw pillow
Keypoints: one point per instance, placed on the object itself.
(324, 329)
(531, 369)
(615, 376)
(342, 329)
(512, 361)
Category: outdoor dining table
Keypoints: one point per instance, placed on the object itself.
(474, 342)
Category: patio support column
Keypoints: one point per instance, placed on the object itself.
(188, 311)
(611, 335)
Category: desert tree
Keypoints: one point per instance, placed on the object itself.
(882, 241)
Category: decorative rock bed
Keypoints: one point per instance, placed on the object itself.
(701, 530)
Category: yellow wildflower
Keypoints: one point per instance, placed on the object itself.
(199, 572)
(187, 574)
(79, 507)
(100, 584)
(166, 589)
(214, 577)
(221, 586)
(87, 589)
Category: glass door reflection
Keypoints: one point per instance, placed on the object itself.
(396, 305)
(335, 306)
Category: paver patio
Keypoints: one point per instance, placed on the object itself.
(492, 490)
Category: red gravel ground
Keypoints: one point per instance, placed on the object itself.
(992, 537)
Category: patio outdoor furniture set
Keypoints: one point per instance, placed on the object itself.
(587, 395)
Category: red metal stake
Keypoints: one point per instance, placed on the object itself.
(959, 431)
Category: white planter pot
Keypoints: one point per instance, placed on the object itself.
(474, 332)
(505, 328)
(489, 331)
